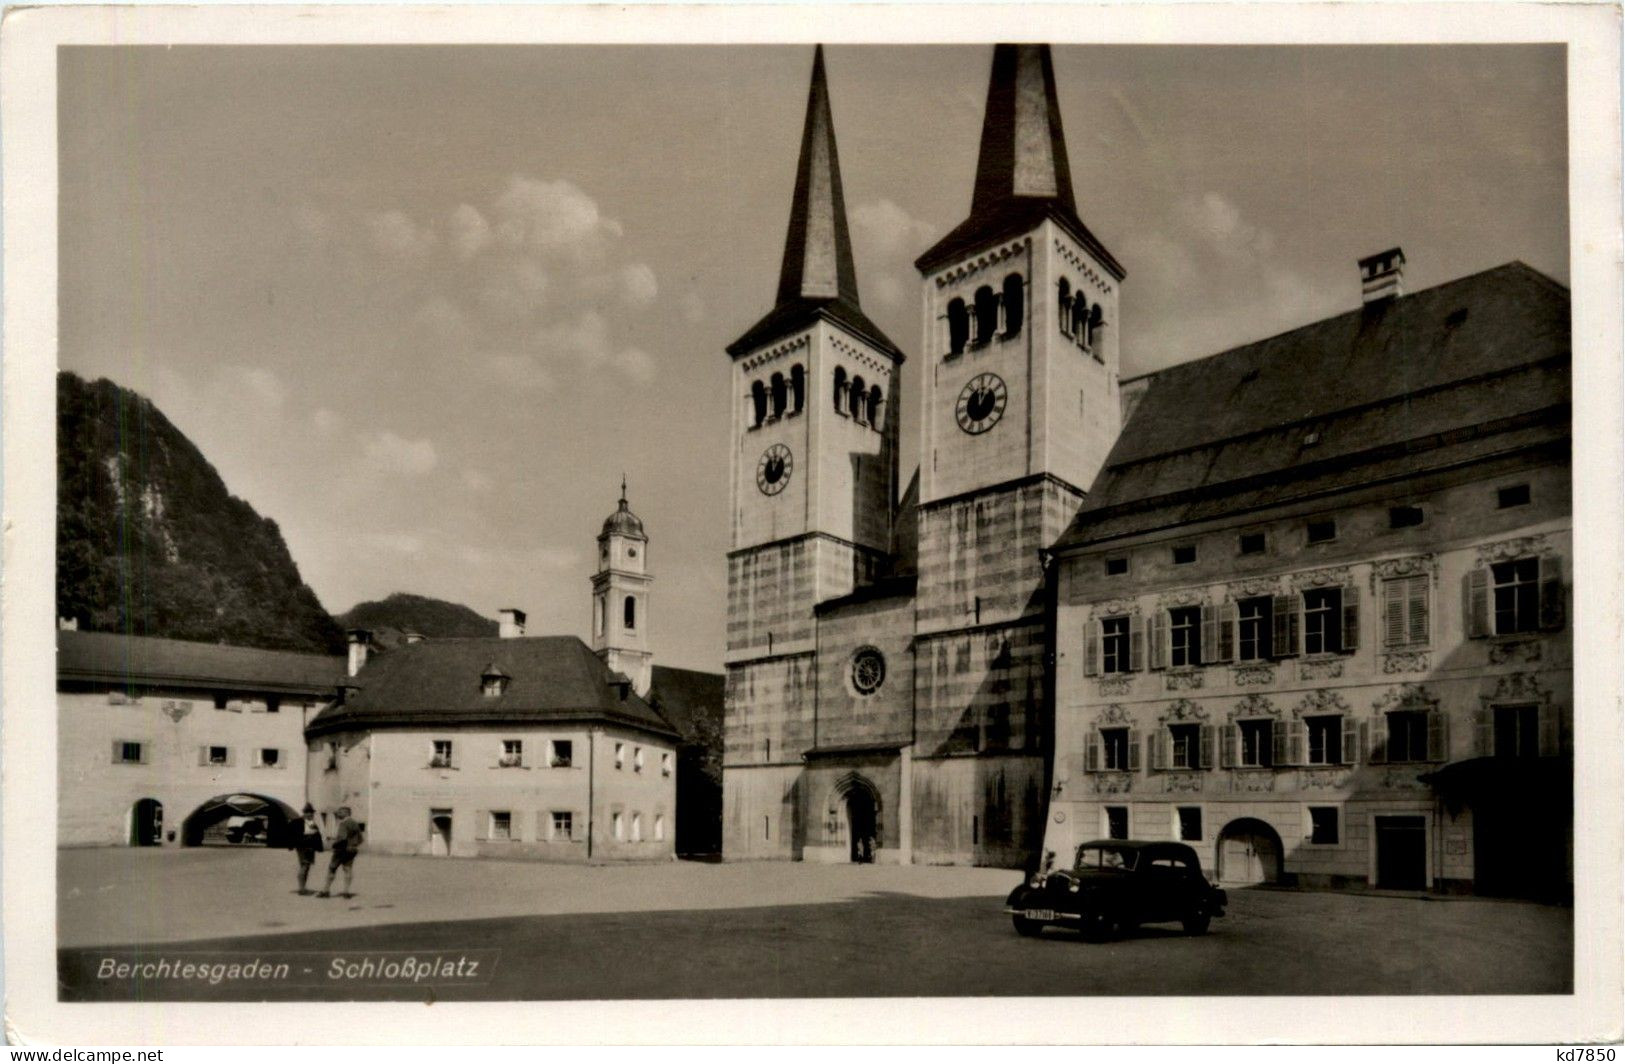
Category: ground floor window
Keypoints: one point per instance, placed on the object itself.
(562, 825)
(1190, 823)
(501, 825)
(1323, 826)
(1117, 821)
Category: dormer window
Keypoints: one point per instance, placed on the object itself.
(493, 681)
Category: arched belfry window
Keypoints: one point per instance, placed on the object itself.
(798, 389)
(1063, 304)
(758, 402)
(1080, 319)
(1097, 321)
(840, 390)
(987, 314)
(778, 394)
(857, 398)
(874, 406)
(629, 614)
(1015, 304)
(958, 326)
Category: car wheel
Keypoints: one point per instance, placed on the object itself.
(1196, 923)
(1026, 928)
(1095, 927)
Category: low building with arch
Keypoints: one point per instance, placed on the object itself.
(160, 742)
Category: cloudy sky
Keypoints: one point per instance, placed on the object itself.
(423, 306)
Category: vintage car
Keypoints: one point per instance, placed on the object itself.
(1114, 885)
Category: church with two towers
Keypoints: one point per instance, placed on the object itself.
(886, 641)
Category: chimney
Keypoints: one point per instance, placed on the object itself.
(360, 641)
(1382, 276)
(511, 624)
(412, 637)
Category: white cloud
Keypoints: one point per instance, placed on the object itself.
(638, 284)
(1216, 220)
(262, 386)
(396, 235)
(636, 364)
(470, 232)
(394, 542)
(396, 454)
(551, 217)
(587, 342)
(889, 230)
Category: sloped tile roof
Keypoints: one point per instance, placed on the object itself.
(113, 658)
(1453, 373)
(436, 683)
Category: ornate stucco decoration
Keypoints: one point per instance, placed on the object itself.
(1116, 685)
(1334, 576)
(1112, 714)
(1413, 565)
(1252, 780)
(1330, 777)
(1406, 661)
(1407, 696)
(1519, 687)
(1253, 706)
(1183, 709)
(1261, 675)
(1252, 588)
(1111, 782)
(1321, 703)
(1520, 547)
(1183, 782)
(1517, 651)
(1326, 669)
(1185, 597)
(1115, 607)
(1184, 681)
(1403, 778)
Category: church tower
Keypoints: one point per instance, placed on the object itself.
(620, 596)
(814, 400)
(1020, 408)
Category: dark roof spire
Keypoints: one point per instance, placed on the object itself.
(817, 278)
(817, 249)
(1022, 170)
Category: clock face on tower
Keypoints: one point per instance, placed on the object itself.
(981, 404)
(773, 470)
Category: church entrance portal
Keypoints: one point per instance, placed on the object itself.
(860, 824)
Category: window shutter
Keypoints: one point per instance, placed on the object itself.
(1438, 738)
(1210, 634)
(1351, 739)
(1484, 732)
(1551, 734)
(1229, 618)
(1091, 648)
(1475, 595)
(1377, 750)
(1134, 749)
(1227, 746)
(1285, 628)
(1419, 628)
(1393, 612)
(1159, 640)
(482, 825)
(1551, 592)
(1159, 746)
(1297, 747)
(1278, 743)
(1207, 746)
(1351, 619)
(1136, 640)
(1091, 751)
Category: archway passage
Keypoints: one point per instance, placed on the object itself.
(147, 823)
(239, 820)
(440, 832)
(861, 823)
(1249, 853)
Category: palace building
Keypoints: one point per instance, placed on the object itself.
(1209, 603)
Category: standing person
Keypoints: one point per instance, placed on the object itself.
(308, 842)
(346, 841)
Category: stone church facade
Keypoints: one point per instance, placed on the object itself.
(1091, 613)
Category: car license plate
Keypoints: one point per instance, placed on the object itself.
(1040, 914)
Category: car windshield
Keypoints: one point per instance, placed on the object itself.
(1107, 857)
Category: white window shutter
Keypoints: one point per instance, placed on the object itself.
(1551, 735)
(1134, 749)
(1284, 626)
(1351, 619)
(1377, 750)
(1136, 640)
(1551, 592)
(1210, 634)
(1229, 620)
(1159, 747)
(1207, 746)
(1297, 744)
(1475, 594)
(1393, 612)
(1159, 639)
(1091, 648)
(1420, 630)
(1484, 732)
(1438, 737)
(1351, 739)
(1091, 751)
(1227, 747)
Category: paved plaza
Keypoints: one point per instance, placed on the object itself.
(755, 930)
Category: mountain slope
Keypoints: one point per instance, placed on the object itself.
(150, 542)
(388, 619)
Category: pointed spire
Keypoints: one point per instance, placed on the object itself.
(623, 489)
(817, 249)
(1022, 171)
(1023, 148)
